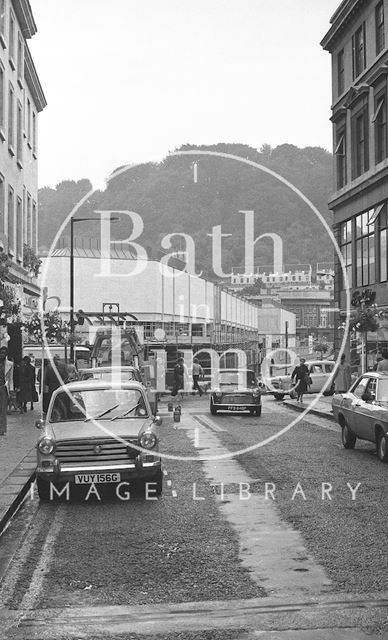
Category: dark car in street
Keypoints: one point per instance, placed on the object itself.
(98, 432)
(235, 390)
(362, 412)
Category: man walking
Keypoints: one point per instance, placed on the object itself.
(197, 372)
(6, 386)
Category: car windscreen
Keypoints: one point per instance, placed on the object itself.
(109, 375)
(233, 377)
(382, 391)
(101, 404)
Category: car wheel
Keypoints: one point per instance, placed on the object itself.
(348, 437)
(279, 396)
(382, 447)
(213, 410)
(258, 411)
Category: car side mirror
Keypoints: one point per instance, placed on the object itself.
(158, 421)
(39, 424)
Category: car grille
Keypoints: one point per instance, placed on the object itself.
(240, 399)
(84, 451)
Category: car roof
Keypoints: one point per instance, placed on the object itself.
(105, 369)
(86, 385)
(233, 370)
(374, 374)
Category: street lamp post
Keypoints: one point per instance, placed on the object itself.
(72, 223)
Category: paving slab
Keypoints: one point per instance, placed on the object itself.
(17, 462)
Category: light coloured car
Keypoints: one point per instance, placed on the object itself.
(362, 412)
(124, 372)
(319, 370)
(98, 432)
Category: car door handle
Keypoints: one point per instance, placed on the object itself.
(358, 404)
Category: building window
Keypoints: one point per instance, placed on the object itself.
(346, 250)
(11, 40)
(29, 226)
(383, 243)
(380, 35)
(365, 248)
(11, 119)
(20, 60)
(380, 123)
(2, 102)
(25, 239)
(358, 46)
(34, 226)
(28, 122)
(2, 204)
(11, 222)
(360, 142)
(19, 230)
(19, 134)
(340, 72)
(3, 26)
(34, 133)
(340, 158)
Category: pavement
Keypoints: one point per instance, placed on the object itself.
(17, 461)
(320, 406)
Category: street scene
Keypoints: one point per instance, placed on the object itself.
(193, 331)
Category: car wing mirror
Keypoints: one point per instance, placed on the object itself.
(158, 421)
(39, 424)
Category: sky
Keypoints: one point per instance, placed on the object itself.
(131, 80)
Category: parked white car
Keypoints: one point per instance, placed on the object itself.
(320, 371)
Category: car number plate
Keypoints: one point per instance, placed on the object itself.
(236, 407)
(101, 478)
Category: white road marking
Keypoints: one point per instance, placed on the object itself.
(169, 483)
(210, 423)
(196, 437)
(270, 549)
(42, 568)
(174, 493)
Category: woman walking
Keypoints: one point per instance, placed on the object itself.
(301, 375)
(27, 384)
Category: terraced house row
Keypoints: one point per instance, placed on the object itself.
(21, 100)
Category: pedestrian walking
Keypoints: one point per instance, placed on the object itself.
(6, 386)
(383, 364)
(54, 377)
(197, 373)
(179, 375)
(27, 385)
(302, 377)
(343, 376)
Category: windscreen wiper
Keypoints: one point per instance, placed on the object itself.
(104, 413)
(126, 413)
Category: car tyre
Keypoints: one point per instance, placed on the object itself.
(279, 396)
(213, 410)
(258, 411)
(382, 447)
(348, 437)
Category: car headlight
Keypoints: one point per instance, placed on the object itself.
(46, 445)
(148, 440)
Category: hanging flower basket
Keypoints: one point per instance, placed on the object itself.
(55, 327)
(364, 321)
(10, 306)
